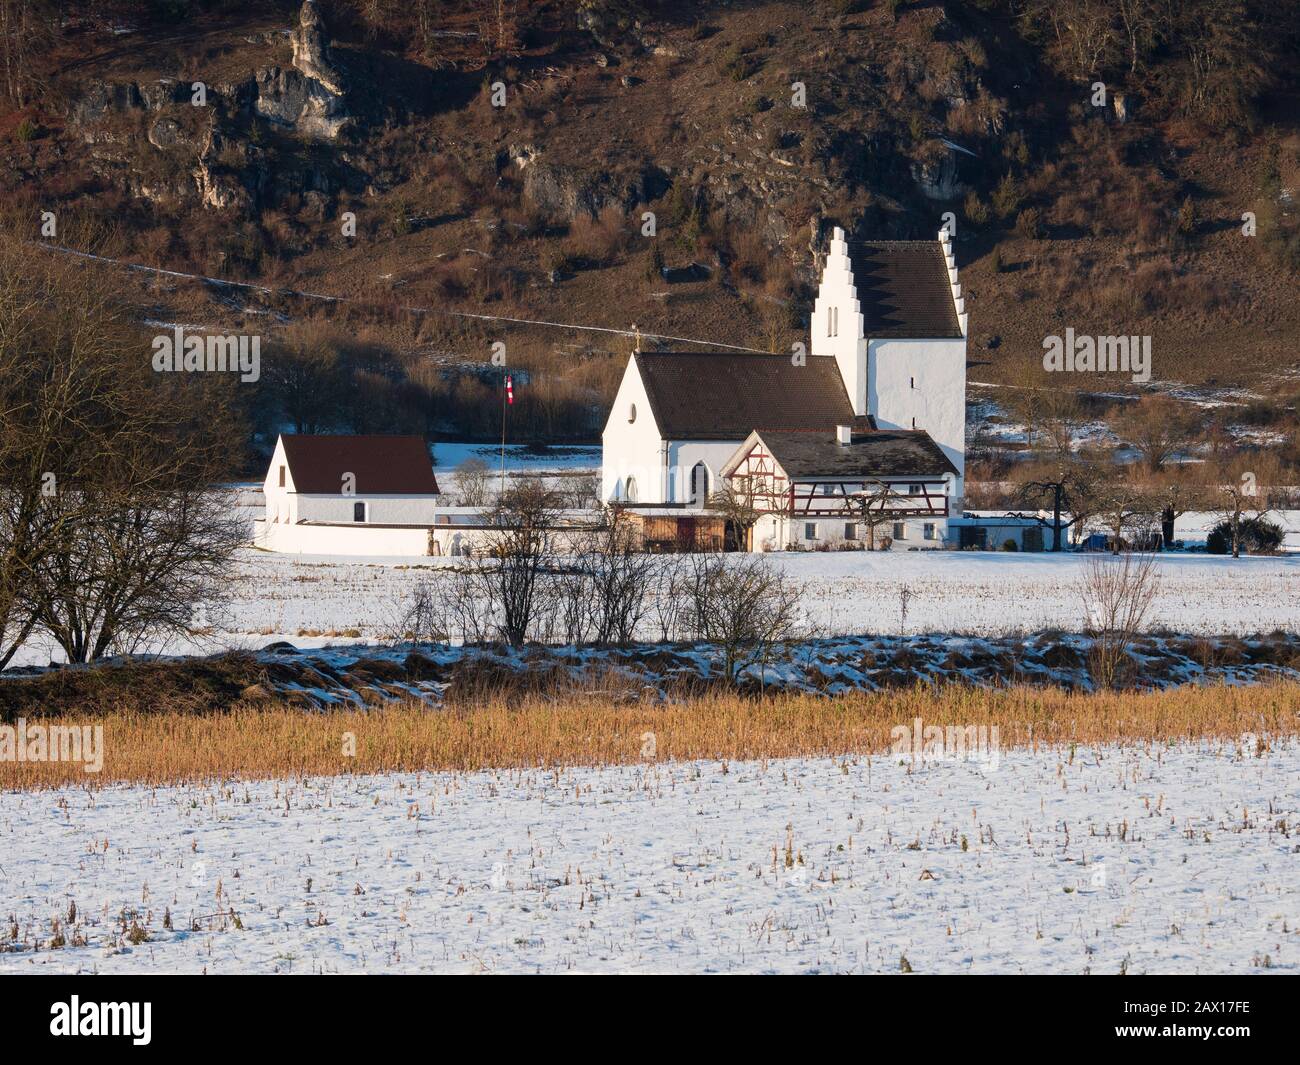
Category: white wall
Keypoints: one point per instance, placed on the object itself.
(682, 457)
(632, 448)
(380, 509)
(847, 346)
(774, 533)
(925, 380)
(340, 539)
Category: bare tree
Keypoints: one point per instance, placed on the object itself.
(1125, 505)
(422, 616)
(137, 564)
(138, 541)
(618, 578)
(1157, 428)
(579, 490)
(875, 505)
(81, 424)
(1241, 492)
(736, 501)
(669, 599)
(1117, 594)
(519, 556)
(27, 29)
(304, 375)
(1055, 416)
(743, 605)
(473, 481)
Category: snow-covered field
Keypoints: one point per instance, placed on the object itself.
(317, 600)
(1169, 859)
(567, 457)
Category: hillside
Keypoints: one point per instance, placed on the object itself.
(1115, 219)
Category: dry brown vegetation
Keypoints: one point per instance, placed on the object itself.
(589, 729)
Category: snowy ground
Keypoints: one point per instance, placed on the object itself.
(317, 600)
(566, 457)
(1179, 859)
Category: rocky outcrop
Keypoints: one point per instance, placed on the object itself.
(215, 189)
(569, 192)
(289, 98)
(311, 54)
(936, 174)
(309, 96)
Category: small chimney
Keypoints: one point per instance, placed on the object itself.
(844, 434)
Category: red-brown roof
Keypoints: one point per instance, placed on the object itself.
(904, 290)
(380, 465)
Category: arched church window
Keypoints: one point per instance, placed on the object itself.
(699, 483)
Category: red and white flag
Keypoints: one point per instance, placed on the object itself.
(510, 390)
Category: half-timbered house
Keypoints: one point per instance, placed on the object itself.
(879, 487)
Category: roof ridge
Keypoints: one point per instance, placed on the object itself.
(921, 241)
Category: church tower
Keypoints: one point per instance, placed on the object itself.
(837, 326)
(892, 316)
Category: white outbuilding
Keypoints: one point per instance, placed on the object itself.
(354, 495)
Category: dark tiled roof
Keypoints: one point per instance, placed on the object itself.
(903, 288)
(697, 396)
(876, 453)
(382, 465)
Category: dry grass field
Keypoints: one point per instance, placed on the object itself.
(585, 729)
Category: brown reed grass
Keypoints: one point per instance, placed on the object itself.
(588, 729)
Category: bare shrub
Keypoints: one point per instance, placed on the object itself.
(742, 604)
(473, 482)
(520, 553)
(618, 576)
(1117, 594)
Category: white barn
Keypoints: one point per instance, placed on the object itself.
(355, 495)
(887, 353)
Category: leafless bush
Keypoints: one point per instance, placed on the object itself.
(423, 616)
(742, 604)
(620, 576)
(570, 593)
(1117, 594)
(668, 601)
(512, 575)
(472, 483)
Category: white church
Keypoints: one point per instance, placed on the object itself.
(863, 436)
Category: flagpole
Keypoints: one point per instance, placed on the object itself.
(505, 389)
